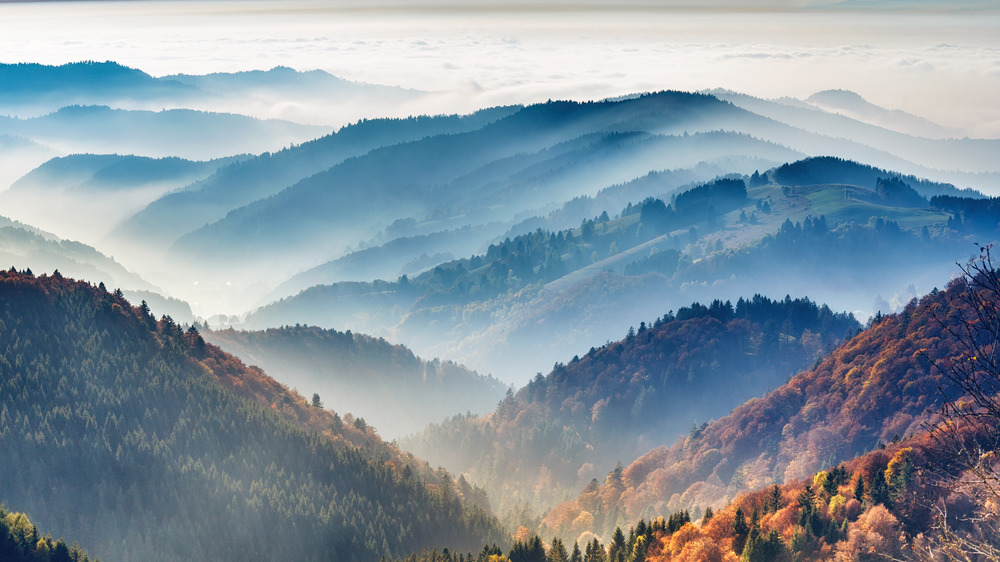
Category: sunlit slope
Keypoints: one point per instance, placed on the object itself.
(879, 386)
(154, 445)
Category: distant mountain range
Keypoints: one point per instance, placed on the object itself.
(536, 289)
(171, 132)
(341, 218)
(629, 275)
(70, 194)
(313, 97)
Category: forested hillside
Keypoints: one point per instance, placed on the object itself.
(847, 244)
(886, 449)
(878, 387)
(394, 390)
(148, 443)
(616, 402)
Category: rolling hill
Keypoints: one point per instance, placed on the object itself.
(157, 226)
(559, 292)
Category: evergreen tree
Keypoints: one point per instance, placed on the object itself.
(774, 499)
(617, 548)
(764, 549)
(557, 552)
(740, 530)
(576, 556)
(859, 489)
(879, 492)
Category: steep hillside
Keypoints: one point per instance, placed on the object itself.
(879, 386)
(394, 390)
(929, 495)
(900, 502)
(616, 402)
(154, 445)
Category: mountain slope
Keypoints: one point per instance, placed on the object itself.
(20, 541)
(39, 88)
(27, 247)
(964, 162)
(881, 385)
(394, 390)
(313, 97)
(616, 402)
(397, 182)
(185, 133)
(155, 445)
(84, 196)
(549, 295)
(853, 105)
(163, 221)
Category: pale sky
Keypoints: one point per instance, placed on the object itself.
(939, 60)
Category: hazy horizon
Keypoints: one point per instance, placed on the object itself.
(939, 61)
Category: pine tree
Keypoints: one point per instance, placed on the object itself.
(740, 529)
(774, 500)
(879, 492)
(616, 550)
(557, 552)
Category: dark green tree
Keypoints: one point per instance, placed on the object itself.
(740, 530)
(760, 548)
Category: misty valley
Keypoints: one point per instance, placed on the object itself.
(672, 325)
